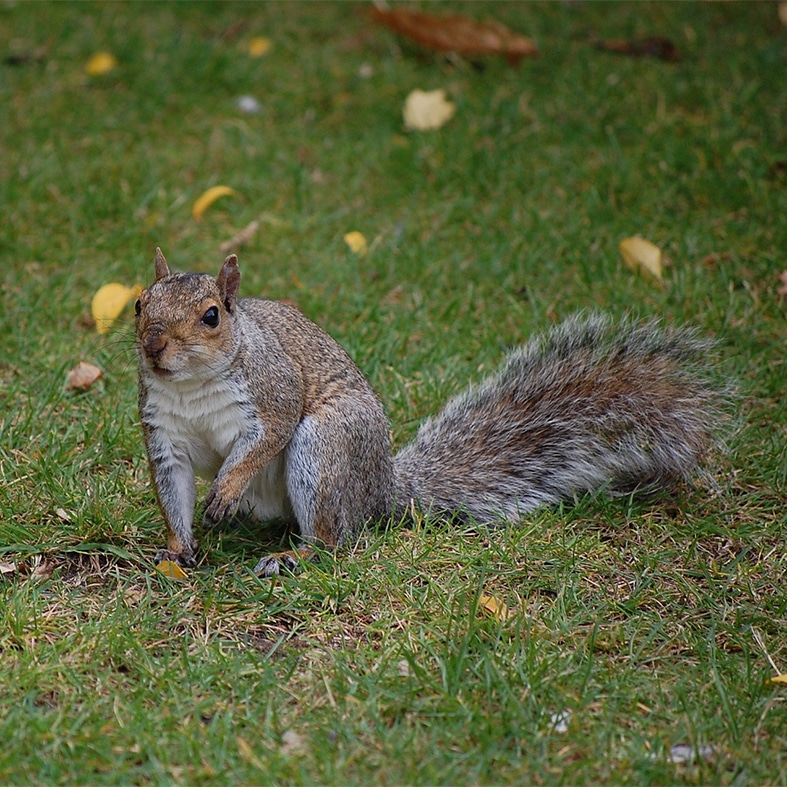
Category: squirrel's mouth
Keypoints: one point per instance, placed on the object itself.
(159, 371)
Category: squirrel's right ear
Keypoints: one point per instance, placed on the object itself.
(162, 269)
(228, 282)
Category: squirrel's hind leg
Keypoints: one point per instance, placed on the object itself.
(339, 477)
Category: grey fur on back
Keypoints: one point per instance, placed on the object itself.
(592, 404)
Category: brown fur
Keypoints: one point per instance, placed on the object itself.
(258, 398)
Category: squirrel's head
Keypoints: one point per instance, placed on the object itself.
(184, 322)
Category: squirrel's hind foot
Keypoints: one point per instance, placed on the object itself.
(283, 562)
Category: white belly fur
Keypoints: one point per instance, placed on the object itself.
(204, 421)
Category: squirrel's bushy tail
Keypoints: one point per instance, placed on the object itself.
(592, 404)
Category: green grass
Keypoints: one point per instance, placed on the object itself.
(650, 622)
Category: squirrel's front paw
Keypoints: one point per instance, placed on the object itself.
(218, 508)
(183, 559)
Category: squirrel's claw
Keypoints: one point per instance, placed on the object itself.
(217, 509)
(183, 559)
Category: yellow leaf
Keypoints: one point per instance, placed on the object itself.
(100, 63)
(427, 109)
(208, 198)
(642, 255)
(258, 46)
(357, 243)
(495, 607)
(779, 679)
(109, 302)
(171, 569)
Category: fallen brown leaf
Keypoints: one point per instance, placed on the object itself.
(240, 238)
(653, 46)
(457, 34)
(82, 376)
(783, 279)
(44, 569)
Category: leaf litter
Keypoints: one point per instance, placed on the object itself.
(108, 303)
(642, 255)
(458, 34)
(427, 110)
(82, 377)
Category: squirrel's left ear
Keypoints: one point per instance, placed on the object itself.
(228, 282)
(162, 269)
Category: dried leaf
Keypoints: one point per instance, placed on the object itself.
(259, 46)
(356, 242)
(495, 608)
(44, 569)
(779, 679)
(425, 110)
(109, 302)
(457, 34)
(100, 63)
(208, 198)
(642, 255)
(7, 568)
(783, 12)
(783, 279)
(653, 46)
(171, 569)
(240, 238)
(81, 378)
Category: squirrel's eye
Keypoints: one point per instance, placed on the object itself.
(211, 317)
(137, 308)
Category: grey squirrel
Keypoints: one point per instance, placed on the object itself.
(261, 401)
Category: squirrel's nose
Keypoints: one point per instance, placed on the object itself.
(154, 341)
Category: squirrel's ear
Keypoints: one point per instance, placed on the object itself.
(162, 269)
(228, 282)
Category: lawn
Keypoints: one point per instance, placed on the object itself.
(641, 635)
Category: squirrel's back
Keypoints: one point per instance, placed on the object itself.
(592, 404)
